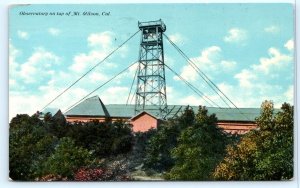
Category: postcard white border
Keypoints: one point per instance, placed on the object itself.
(4, 104)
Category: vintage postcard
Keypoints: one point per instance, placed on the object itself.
(151, 92)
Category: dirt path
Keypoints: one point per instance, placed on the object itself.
(147, 178)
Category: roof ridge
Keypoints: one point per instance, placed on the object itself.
(103, 107)
(89, 107)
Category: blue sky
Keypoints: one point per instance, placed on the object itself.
(246, 49)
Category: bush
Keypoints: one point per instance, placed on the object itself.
(38, 148)
(29, 145)
(66, 159)
(52, 177)
(200, 148)
(96, 174)
(263, 154)
(102, 138)
(159, 145)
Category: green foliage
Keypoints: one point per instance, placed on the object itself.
(200, 148)
(37, 148)
(66, 158)
(122, 137)
(158, 148)
(139, 146)
(189, 147)
(142, 138)
(29, 144)
(55, 126)
(186, 119)
(102, 138)
(263, 154)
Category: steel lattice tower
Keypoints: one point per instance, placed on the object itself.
(151, 83)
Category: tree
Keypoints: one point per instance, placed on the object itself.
(122, 137)
(158, 148)
(41, 149)
(265, 153)
(56, 125)
(29, 144)
(102, 138)
(138, 152)
(200, 148)
(66, 159)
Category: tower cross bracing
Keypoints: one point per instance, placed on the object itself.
(151, 83)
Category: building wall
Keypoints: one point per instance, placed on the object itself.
(143, 123)
(87, 119)
(84, 119)
(237, 127)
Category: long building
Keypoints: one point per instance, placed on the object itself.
(232, 120)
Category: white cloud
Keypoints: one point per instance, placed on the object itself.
(177, 38)
(245, 78)
(20, 104)
(38, 68)
(24, 103)
(275, 60)
(54, 31)
(114, 95)
(253, 87)
(84, 61)
(228, 65)
(272, 29)
(169, 89)
(188, 73)
(191, 100)
(210, 60)
(289, 45)
(127, 75)
(23, 35)
(133, 68)
(289, 94)
(38, 65)
(13, 52)
(13, 65)
(101, 44)
(236, 35)
(225, 88)
(174, 95)
(103, 40)
(245, 97)
(208, 55)
(97, 77)
(123, 51)
(176, 78)
(169, 60)
(242, 98)
(195, 100)
(258, 83)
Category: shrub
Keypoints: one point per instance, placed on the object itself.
(96, 174)
(52, 177)
(66, 159)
